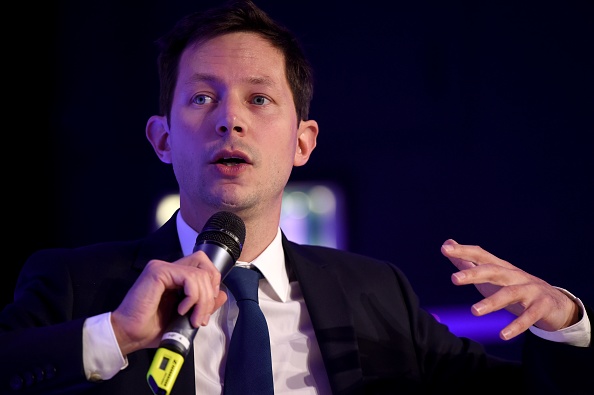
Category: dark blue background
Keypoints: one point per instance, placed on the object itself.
(470, 120)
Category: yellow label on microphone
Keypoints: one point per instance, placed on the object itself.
(163, 371)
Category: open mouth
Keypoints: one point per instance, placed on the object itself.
(231, 161)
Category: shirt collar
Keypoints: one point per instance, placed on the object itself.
(271, 262)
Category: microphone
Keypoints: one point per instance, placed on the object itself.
(221, 239)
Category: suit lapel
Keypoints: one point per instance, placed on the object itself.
(323, 295)
(330, 317)
(162, 244)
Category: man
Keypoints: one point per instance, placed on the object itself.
(233, 122)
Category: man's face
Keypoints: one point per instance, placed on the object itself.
(234, 135)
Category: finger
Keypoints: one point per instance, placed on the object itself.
(200, 287)
(470, 253)
(193, 259)
(494, 275)
(201, 260)
(200, 297)
(520, 324)
(517, 326)
(485, 274)
(205, 305)
(447, 248)
(219, 300)
(515, 298)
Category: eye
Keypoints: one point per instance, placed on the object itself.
(202, 99)
(260, 100)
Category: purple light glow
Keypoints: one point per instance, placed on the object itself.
(460, 321)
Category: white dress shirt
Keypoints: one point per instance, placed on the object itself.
(296, 359)
(297, 364)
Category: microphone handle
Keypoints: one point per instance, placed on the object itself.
(179, 335)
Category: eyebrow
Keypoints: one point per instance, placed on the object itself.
(201, 77)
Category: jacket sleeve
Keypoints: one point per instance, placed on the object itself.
(556, 368)
(40, 360)
(40, 340)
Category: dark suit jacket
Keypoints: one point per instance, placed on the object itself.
(373, 337)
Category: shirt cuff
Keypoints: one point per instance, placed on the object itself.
(578, 334)
(102, 357)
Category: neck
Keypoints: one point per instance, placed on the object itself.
(261, 228)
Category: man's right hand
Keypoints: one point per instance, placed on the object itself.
(148, 307)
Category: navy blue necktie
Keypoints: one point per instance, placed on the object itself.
(249, 367)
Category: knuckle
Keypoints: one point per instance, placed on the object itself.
(153, 264)
(514, 292)
(530, 314)
(155, 267)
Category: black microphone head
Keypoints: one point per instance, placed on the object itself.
(226, 229)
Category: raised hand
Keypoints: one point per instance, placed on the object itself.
(505, 286)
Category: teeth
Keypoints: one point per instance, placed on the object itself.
(230, 161)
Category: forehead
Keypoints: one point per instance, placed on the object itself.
(234, 55)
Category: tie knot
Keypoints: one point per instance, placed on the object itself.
(243, 283)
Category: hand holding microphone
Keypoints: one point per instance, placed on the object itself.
(221, 239)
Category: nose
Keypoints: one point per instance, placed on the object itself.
(224, 127)
(230, 118)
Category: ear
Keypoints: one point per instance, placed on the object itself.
(157, 133)
(306, 141)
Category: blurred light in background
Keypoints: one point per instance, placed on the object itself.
(312, 213)
(165, 208)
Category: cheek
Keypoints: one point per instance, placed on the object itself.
(185, 147)
(283, 160)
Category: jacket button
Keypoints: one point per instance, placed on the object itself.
(49, 371)
(95, 377)
(38, 374)
(28, 378)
